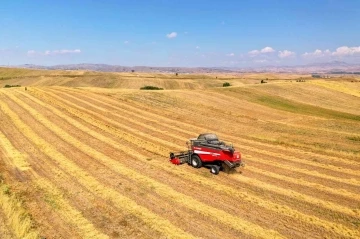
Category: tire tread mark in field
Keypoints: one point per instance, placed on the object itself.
(162, 189)
(154, 221)
(309, 219)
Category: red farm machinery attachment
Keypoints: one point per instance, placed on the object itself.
(208, 151)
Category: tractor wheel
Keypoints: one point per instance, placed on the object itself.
(215, 169)
(196, 161)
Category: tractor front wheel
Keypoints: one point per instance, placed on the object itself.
(196, 161)
(215, 169)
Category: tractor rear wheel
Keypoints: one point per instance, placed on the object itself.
(214, 169)
(196, 161)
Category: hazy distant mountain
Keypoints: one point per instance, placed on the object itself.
(327, 67)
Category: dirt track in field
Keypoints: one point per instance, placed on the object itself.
(93, 164)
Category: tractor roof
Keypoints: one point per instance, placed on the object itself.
(207, 136)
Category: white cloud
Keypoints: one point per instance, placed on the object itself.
(57, 52)
(316, 53)
(31, 52)
(54, 52)
(346, 51)
(260, 61)
(343, 51)
(126, 42)
(171, 35)
(197, 47)
(267, 50)
(254, 52)
(230, 54)
(286, 53)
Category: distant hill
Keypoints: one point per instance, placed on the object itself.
(327, 67)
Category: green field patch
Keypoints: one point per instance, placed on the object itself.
(280, 103)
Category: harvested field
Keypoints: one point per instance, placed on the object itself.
(89, 162)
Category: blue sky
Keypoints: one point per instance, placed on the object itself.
(179, 33)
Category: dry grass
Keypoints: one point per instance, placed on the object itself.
(17, 218)
(97, 157)
(155, 148)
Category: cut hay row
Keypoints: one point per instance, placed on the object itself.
(294, 159)
(287, 192)
(14, 157)
(17, 218)
(251, 182)
(224, 189)
(308, 199)
(203, 110)
(74, 110)
(165, 151)
(160, 188)
(130, 129)
(136, 112)
(85, 201)
(121, 202)
(67, 213)
(312, 173)
(301, 182)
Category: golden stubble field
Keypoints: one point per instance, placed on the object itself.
(90, 162)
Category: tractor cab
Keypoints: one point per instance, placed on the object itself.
(211, 141)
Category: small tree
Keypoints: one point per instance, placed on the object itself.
(226, 84)
(262, 81)
(132, 70)
(176, 74)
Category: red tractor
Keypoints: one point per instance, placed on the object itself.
(208, 151)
